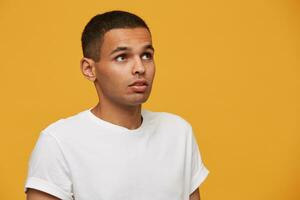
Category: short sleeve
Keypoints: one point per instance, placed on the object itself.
(48, 170)
(198, 171)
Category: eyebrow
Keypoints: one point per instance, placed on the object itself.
(124, 48)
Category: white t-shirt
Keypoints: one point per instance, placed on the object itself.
(83, 157)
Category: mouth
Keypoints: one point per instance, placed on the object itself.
(139, 87)
(139, 83)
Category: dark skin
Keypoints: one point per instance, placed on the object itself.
(33, 194)
(126, 56)
(195, 195)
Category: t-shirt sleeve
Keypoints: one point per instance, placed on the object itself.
(48, 170)
(198, 171)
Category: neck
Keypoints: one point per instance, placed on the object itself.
(128, 117)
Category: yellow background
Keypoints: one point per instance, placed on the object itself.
(231, 68)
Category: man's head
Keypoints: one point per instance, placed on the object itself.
(93, 33)
(118, 58)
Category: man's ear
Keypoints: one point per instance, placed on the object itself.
(87, 67)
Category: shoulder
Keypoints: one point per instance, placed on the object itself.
(66, 125)
(168, 119)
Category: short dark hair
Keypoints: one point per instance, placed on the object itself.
(92, 35)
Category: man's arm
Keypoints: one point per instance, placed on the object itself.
(33, 194)
(195, 195)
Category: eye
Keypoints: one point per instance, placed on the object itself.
(147, 56)
(120, 58)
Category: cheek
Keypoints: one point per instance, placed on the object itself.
(114, 77)
(112, 80)
(154, 70)
(151, 71)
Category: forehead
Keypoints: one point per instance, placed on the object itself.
(129, 37)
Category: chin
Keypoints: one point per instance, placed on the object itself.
(134, 99)
(137, 101)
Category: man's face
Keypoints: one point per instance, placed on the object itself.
(126, 56)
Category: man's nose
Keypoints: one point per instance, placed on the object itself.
(138, 66)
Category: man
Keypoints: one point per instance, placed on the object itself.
(117, 150)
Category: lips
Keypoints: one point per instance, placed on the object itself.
(139, 86)
(139, 83)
